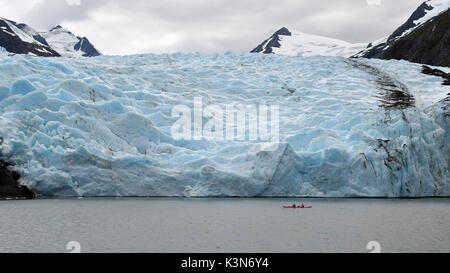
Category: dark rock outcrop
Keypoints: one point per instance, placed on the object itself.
(85, 46)
(420, 12)
(273, 41)
(12, 43)
(56, 28)
(429, 43)
(438, 73)
(9, 186)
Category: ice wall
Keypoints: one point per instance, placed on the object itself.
(102, 126)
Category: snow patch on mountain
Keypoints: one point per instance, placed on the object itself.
(310, 45)
(32, 33)
(69, 45)
(296, 42)
(438, 6)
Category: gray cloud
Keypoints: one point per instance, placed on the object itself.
(138, 26)
(46, 14)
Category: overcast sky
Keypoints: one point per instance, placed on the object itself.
(159, 26)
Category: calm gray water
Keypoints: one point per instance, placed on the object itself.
(225, 225)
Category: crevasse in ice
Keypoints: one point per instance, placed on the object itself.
(102, 126)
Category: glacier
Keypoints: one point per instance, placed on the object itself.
(102, 126)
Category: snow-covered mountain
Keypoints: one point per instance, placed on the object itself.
(22, 39)
(69, 45)
(293, 43)
(423, 38)
(347, 127)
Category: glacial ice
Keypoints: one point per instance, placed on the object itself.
(102, 126)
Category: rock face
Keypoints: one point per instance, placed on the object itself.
(85, 46)
(15, 40)
(267, 46)
(9, 187)
(429, 44)
(424, 38)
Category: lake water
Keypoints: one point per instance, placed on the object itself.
(225, 225)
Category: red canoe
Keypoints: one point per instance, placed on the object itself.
(298, 207)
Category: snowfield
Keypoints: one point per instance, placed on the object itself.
(102, 126)
(438, 6)
(311, 45)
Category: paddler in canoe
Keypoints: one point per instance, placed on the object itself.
(294, 206)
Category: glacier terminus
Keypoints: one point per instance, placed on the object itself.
(102, 126)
